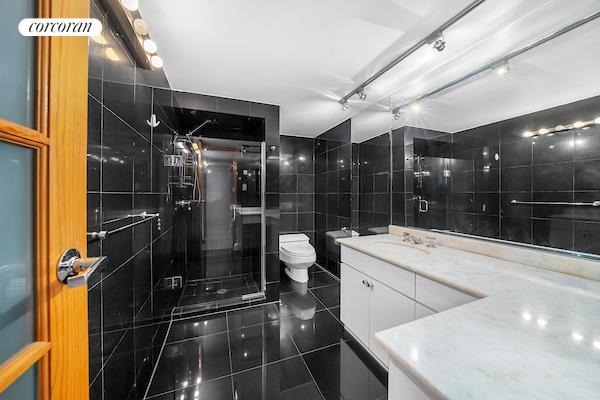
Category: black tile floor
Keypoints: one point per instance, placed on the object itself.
(295, 349)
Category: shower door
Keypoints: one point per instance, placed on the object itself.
(226, 253)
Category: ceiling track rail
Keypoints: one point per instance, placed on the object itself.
(501, 60)
(426, 40)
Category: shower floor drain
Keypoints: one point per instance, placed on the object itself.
(221, 291)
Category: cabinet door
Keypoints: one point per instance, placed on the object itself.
(355, 302)
(388, 309)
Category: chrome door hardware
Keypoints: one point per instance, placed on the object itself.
(75, 271)
(423, 206)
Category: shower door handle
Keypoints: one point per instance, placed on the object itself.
(423, 206)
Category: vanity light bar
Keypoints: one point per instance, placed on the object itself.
(561, 128)
(498, 64)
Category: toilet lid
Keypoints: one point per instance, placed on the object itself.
(297, 249)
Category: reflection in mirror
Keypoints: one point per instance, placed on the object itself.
(475, 140)
(371, 179)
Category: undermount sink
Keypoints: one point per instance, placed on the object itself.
(396, 244)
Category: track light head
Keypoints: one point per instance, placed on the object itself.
(440, 44)
(344, 104)
(362, 95)
(396, 116)
(503, 68)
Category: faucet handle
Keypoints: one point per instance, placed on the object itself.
(431, 242)
(406, 236)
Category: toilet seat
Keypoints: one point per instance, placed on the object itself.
(297, 249)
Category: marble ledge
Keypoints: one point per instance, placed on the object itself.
(534, 334)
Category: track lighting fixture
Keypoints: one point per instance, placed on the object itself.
(345, 105)
(440, 44)
(362, 95)
(503, 68)
(396, 116)
(415, 106)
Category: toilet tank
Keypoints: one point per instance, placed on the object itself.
(295, 237)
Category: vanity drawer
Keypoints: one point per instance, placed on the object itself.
(397, 278)
(440, 297)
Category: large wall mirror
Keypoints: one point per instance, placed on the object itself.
(501, 140)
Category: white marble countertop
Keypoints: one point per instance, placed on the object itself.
(535, 334)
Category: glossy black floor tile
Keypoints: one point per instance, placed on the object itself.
(183, 363)
(288, 379)
(329, 295)
(260, 344)
(216, 389)
(301, 304)
(195, 327)
(341, 373)
(252, 316)
(319, 331)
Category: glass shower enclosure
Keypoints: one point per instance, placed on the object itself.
(219, 193)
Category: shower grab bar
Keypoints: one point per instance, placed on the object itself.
(145, 217)
(557, 203)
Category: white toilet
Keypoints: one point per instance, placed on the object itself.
(298, 255)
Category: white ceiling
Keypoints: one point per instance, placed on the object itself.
(305, 55)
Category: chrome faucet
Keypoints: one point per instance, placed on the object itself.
(407, 237)
(347, 231)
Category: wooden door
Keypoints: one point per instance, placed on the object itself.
(43, 163)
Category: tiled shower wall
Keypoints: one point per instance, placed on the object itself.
(296, 186)
(170, 99)
(126, 176)
(333, 191)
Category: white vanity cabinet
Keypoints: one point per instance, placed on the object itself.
(369, 306)
(376, 296)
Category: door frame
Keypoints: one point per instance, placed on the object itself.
(60, 144)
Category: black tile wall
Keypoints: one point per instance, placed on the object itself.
(333, 191)
(297, 186)
(124, 177)
(375, 185)
(494, 164)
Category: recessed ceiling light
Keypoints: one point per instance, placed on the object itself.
(597, 120)
(543, 131)
(559, 127)
(578, 124)
(131, 5)
(156, 61)
(101, 40)
(150, 46)
(527, 134)
(140, 26)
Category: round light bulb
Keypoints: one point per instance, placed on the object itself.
(527, 134)
(543, 131)
(131, 5)
(140, 26)
(578, 124)
(415, 107)
(156, 61)
(559, 127)
(150, 46)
